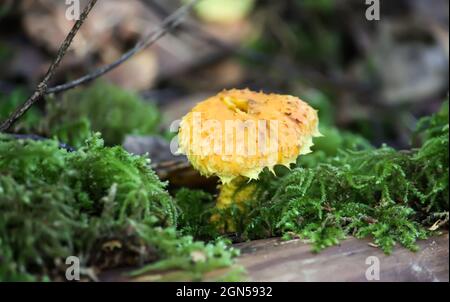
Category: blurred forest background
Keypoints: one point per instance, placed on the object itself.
(375, 78)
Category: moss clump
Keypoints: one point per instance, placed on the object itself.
(101, 107)
(98, 203)
(196, 208)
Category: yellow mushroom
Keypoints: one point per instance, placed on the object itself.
(240, 132)
(237, 133)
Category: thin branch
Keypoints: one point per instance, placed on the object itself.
(41, 89)
(192, 28)
(169, 23)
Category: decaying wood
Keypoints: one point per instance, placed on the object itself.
(169, 167)
(275, 260)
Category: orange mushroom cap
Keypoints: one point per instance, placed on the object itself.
(240, 132)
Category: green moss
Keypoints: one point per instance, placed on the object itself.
(101, 107)
(383, 193)
(72, 132)
(357, 193)
(196, 208)
(55, 204)
(432, 126)
(194, 258)
(104, 108)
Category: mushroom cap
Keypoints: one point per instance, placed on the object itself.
(240, 132)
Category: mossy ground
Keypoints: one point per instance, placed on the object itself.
(98, 203)
(107, 207)
(345, 187)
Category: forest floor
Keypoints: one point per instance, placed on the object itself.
(273, 259)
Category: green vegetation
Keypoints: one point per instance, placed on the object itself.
(392, 196)
(98, 203)
(101, 107)
(196, 209)
(109, 208)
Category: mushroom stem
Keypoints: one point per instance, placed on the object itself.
(239, 191)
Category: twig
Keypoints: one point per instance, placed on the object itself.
(42, 87)
(193, 29)
(169, 23)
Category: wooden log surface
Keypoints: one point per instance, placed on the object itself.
(277, 260)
